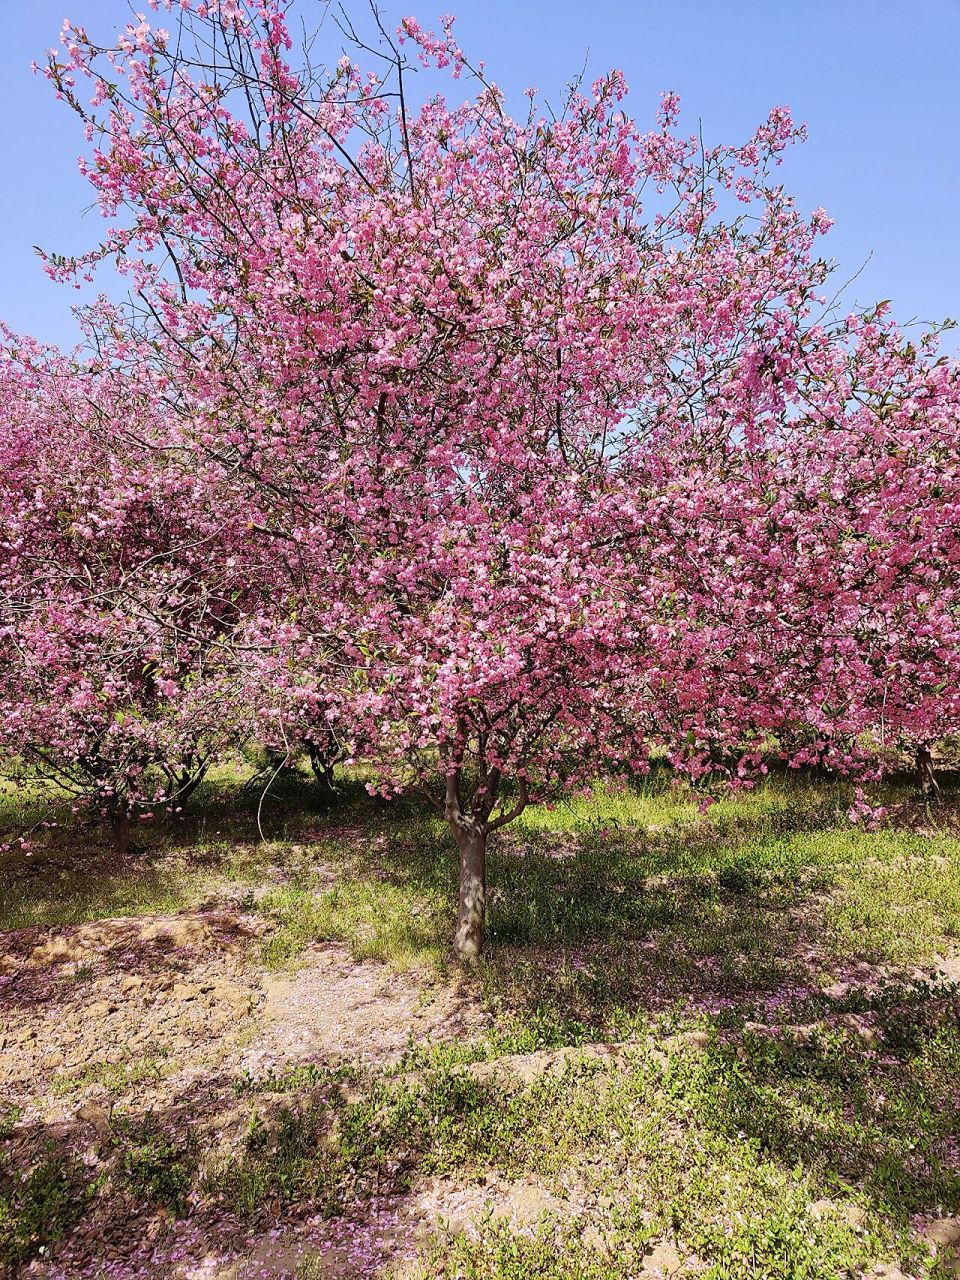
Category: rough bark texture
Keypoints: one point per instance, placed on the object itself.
(471, 826)
(926, 779)
(120, 827)
(471, 922)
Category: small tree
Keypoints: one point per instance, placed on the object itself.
(819, 599)
(113, 626)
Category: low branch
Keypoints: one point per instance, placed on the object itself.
(522, 801)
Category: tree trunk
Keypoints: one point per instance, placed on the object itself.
(926, 780)
(322, 765)
(468, 943)
(120, 826)
(186, 784)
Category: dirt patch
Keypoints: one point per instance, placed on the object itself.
(166, 933)
(455, 1207)
(155, 1020)
(526, 1068)
(337, 1009)
(80, 1000)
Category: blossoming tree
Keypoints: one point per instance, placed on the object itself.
(122, 584)
(495, 390)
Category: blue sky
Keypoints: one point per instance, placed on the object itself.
(875, 80)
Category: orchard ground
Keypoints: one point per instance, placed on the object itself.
(721, 1045)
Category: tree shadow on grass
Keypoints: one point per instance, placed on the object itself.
(867, 1101)
(737, 919)
(870, 1121)
(74, 875)
(608, 934)
(820, 1059)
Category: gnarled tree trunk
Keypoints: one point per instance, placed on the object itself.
(322, 765)
(184, 783)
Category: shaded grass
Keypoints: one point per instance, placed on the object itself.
(749, 885)
(40, 1204)
(815, 1116)
(759, 1158)
(156, 1166)
(50, 891)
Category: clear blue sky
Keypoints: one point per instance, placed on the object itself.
(877, 82)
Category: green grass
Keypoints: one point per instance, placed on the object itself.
(156, 1166)
(760, 1158)
(378, 920)
(785, 1102)
(117, 1078)
(40, 1204)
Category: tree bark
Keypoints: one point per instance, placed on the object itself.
(926, 779)
(186, 782)
(321, 764)
(120, 827)
(471, 923)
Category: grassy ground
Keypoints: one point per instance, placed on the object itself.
(781, 1094)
